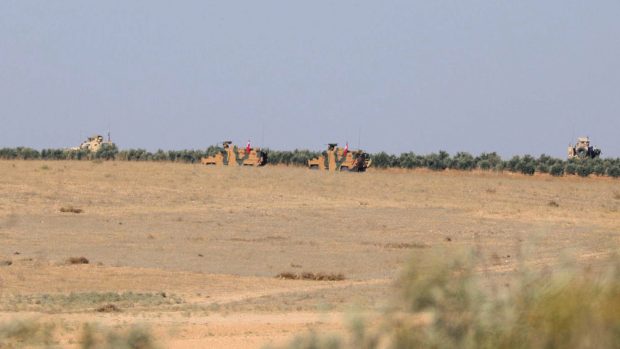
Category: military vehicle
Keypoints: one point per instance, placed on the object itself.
(339, 159)
(231, 155)
(583, 150)
(93, 144)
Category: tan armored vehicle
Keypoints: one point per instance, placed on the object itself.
(339, 159)
(582, 149)
(231, 155)
(93, 143)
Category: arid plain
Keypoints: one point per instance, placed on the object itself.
(192, 252)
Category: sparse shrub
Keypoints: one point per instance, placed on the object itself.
(71, 209)
(95, 337)
(108, 308)
(287, 275)
(311, 276)
(77, 260)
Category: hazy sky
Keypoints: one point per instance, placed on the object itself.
(509, 76)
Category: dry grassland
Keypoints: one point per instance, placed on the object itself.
(193, 252)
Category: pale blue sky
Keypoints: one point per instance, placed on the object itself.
(509, 76)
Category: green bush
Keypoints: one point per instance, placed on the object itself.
(614, 171)
(484, 165)
(584, 169)
(463, 161)
(557, 170)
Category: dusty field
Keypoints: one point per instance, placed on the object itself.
(192, 252)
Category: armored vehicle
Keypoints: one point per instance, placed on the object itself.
(339, 159)
(231, 155)
(582, 149)
(93, 143)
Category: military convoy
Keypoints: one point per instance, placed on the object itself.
(339, 159)
(231, 155)
(93, 144)
(583, 150)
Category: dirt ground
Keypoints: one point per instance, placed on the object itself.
(192, 252)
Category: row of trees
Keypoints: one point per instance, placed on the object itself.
(526, 164)
(436, 161)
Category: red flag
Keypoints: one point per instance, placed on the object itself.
(346, 149)
(248, 148)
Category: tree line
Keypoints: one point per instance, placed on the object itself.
(440, 161)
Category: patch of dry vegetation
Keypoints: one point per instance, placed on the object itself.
(311, 276)
(71, 209)
(34, 334)
(77, 260)
(87, 301)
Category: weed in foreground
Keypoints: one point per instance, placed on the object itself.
(445, 303)
(22, 333)
(33, 334)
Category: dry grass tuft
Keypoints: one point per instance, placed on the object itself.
(77, 260)
(311, 276)
(405, 245)
(70, 209)
(108, 308)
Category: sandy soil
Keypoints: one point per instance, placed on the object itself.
(199, 247)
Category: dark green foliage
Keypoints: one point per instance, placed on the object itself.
(463, 161)
(614, 171)
(484, 165)
(557, 170)
(492, 159)
(439, 161)
(571, 168)
(411, 160)
(296, 157)
(384, 160)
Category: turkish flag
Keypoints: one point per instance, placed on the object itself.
(248, 148)
(346, 149)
